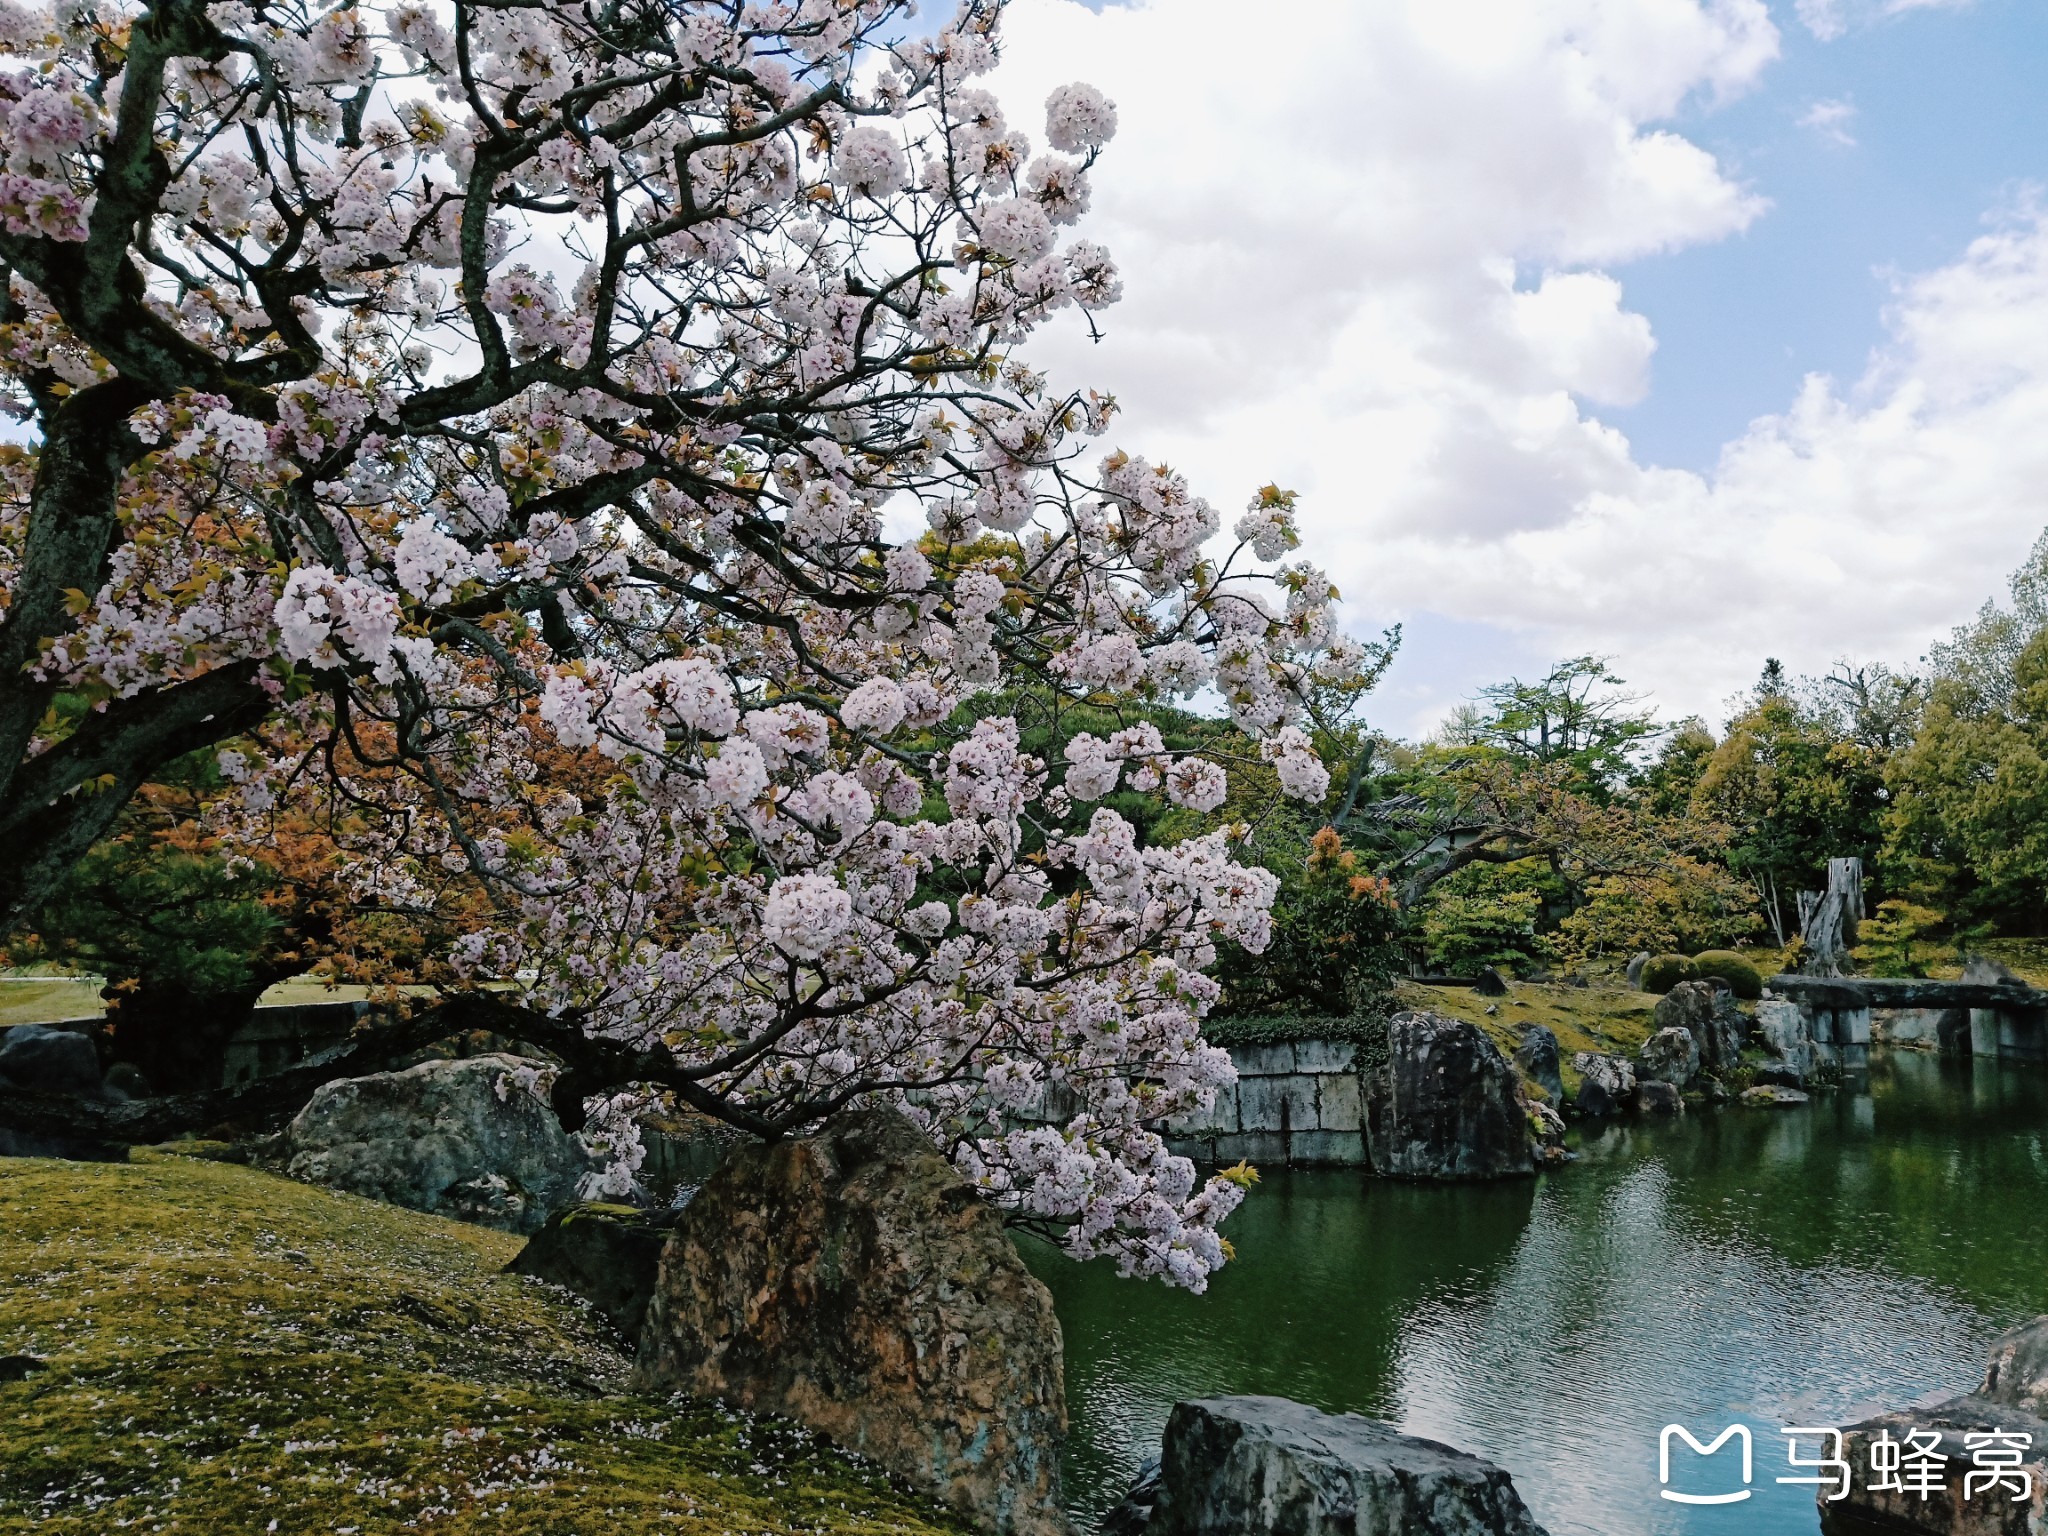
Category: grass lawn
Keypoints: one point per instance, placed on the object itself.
(230, 1352)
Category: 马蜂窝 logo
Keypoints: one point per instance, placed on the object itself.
(1732, 1432)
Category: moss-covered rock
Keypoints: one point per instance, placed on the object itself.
(227, 1349)
(1663, 972)
(1743, 978)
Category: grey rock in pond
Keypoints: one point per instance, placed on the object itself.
(855, 1282)
(473, 1139)
(1537, 1056)
(1491, 983)
(1780, 1074)
(1266, 1466)
(1635, 969)
(1708, 1012)
(1953, 1506)
(2018, 1370)
(1728, 1033)
(1444, 1104)
(1782, 1030)
(38, 1059)
(1654, 1097)
(1669, 1056)
(1607, 1084)
(607, 1254)
(1133, 1516)
(1770, 1096)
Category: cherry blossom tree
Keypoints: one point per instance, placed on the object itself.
(585, 451)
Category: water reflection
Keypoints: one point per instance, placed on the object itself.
(1778, 1267)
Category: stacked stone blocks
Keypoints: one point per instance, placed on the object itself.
(1294, 1103)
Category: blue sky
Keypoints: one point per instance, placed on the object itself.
(1949, 120)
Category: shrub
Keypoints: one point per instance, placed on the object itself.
(1666, 971)
(1743, 978)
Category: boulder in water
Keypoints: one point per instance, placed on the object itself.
(1706, 1010)
(1771, 1096)
(1655, 1097)
(1953, 1504)
(1669, 1056)
(1781, 1027)
(1266, 1466)
(1780, 1074)
(1444, 1104)
(1607, 1084)
(2018, 1369)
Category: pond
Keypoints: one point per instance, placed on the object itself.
(1775, 1267)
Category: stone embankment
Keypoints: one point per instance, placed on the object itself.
(1439, 1101)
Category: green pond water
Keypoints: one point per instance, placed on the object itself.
(1773, 1267)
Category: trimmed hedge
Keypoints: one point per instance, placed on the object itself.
(1666, 971)
(1743, 978)
(1287, 1028)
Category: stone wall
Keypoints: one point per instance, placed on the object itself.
(1297, 1104)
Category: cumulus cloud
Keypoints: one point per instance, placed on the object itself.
(1374, 268)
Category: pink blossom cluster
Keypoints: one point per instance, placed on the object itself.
(521, 397)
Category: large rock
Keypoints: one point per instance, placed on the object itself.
(2018, 1370)
(854, 1281)
(1706, 1010)
(1444, 1104)
(1952, 1506)
(1536, 1054)
(1773, 1096)
(607, 1254)
(1669, 1056)
(1607, 1084)
(1654, 1097)
(1982, 970)
(1780, 1074)
(1781, 1026)
(1636, 963)
(1728, 1033)
(38, 1059)
(1265, 1466)
(473, 1139)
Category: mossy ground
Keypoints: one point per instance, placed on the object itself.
(230, 1352)
(1613, 1021)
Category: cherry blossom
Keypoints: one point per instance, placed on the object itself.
(482, 420)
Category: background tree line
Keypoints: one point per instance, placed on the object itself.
(1551, 824)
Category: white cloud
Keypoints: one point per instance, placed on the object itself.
(1830, 19)
(1831, 120)
(1369, 268)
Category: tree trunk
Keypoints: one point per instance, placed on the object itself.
(1828, 920)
